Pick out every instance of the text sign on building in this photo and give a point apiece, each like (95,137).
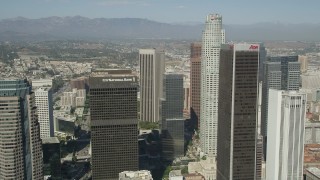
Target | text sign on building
(247,47)
(118,80)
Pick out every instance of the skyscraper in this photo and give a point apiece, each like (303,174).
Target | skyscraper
(20,143)
(151,78)
(114,124)
(236,158)
(290,71)
(272,80)
(172,125)
(173,96)
(43,97)
(211,43)
(282,73)
(51,157)
(285,148)
(195,82)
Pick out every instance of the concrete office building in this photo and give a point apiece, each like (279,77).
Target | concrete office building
(236,158)
(304,63)
(114,124)
(44,105)
(80,83)
(272,80)
(312,132)
(151,81)
(172,125)
(186,96)
(195,82)
(282,73)
(75,98)
(41,83)
(212,38)
(20,143)
(285,150)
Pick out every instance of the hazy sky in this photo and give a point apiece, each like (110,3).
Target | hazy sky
(233,11)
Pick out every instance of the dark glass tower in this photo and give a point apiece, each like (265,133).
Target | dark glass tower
(172,117)
(20,143)
(114,131)
(237,123)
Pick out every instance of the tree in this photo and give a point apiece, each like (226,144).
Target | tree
(73,109)
(166,172)
(57,83)
(148,125)
(184,170)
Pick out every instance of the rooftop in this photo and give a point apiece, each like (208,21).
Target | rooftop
(315,171)
(135,175)
(50,140)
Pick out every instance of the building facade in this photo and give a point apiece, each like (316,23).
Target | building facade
(20,143)
(135,175)
(172,126)
(212,38)
(44,105)
(151,80)
(114,124)
(195,82)
(172,96)
(236,158)
(51,157)
(285,150)
(282,73)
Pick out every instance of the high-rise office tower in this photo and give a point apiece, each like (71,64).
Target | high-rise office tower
(45,111)
(282,73)
(51,157)
(236,157)
(114,123)
(172,117)
(290,71)
(173,96)
(151,78)
(303,63)
(20,143)
(272,80)
(211,44)
(195,82)
(262,60)
(285,148)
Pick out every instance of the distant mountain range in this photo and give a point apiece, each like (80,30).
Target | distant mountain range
(77,27)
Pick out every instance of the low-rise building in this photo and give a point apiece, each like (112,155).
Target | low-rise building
(312,132)
(135,175)
(194,176)
(312,173)
(175,175)
(206,167)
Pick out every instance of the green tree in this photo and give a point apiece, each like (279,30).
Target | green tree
(184,170)
(166,172)
(57,83)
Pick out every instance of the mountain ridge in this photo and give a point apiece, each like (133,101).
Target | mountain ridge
(78,27)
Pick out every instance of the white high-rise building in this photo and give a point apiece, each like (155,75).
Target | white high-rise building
(286,121)
(43,96)
(212,38)
(151,83)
